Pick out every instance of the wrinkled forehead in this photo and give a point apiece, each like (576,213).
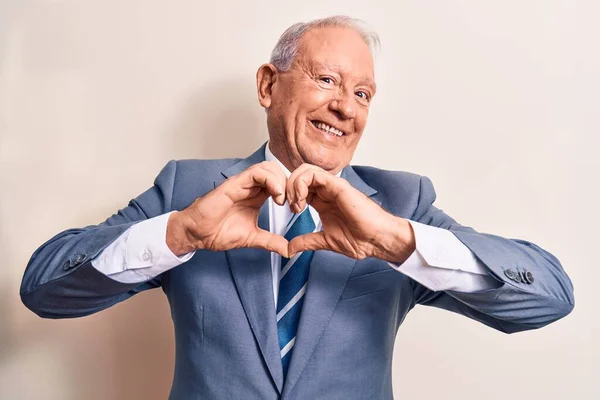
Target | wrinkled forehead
(340,48)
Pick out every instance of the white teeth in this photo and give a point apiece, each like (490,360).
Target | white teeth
(328,129)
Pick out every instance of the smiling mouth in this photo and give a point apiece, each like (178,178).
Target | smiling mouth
(322,126)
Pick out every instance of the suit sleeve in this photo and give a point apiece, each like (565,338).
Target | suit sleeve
(60,280)
(533,289)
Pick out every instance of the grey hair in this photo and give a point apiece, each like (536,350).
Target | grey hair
(288,44)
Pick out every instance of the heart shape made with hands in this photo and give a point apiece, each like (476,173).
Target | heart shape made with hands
(353,224)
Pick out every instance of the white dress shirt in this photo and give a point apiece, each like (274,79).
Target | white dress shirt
(440,261)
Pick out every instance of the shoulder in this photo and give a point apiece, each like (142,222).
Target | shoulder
(190,178)
(384,180)
(399,191)
(204,166)
(195,169)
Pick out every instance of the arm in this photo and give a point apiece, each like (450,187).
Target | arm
(60,281)
(532,288)
(516,304)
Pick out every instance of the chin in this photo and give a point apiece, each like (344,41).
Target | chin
(321,160)
(322,154)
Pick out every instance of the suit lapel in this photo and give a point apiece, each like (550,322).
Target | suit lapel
(327,279)
(251,271)
(252,275)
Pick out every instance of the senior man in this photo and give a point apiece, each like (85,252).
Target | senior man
(289,272)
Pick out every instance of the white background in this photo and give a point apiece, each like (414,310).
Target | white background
(496,101)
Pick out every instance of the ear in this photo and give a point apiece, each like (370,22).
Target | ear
(265,79)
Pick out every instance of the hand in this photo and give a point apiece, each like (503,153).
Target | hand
(226,217)
(353,224)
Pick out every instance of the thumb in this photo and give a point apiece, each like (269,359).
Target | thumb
(271,242)
(310,241)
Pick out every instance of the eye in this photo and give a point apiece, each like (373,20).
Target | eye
(327,79)
(363,95)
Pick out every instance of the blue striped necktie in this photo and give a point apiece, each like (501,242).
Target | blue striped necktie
(293,277)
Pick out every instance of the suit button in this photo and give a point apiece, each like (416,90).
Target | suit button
(68,264)
(510,274)
(529,277)
(80,258)
(518,277)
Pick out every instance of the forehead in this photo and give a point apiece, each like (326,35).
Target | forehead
(335,47)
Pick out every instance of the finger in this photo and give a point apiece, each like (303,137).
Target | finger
(289,187)
(271,242)
(310,241)
(310,181)
(301,185)
(279,175)
(310,198)
(313,180)
(262,177)
(253,177)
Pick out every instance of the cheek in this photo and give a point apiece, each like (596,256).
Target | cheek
(312,100)
(320,97)
(361,121)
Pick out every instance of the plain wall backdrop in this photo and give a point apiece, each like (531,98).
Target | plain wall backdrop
(497,102)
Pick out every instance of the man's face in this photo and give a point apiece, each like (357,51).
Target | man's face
(318,108)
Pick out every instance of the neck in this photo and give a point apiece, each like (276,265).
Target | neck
(281,153)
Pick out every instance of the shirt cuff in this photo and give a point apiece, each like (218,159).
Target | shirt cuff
(442,262)
(140,251)
(440,248)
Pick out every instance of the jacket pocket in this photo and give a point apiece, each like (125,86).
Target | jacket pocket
(370,283)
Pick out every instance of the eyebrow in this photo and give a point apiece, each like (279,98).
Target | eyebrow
(337,68)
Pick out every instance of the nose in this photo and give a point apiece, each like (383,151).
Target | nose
(343,105)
